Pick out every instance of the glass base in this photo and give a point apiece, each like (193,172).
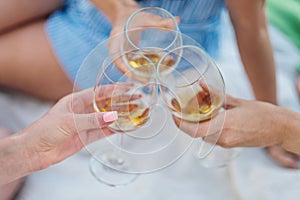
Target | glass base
(218,157)
(109,176)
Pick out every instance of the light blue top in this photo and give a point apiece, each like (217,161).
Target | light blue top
(78,28)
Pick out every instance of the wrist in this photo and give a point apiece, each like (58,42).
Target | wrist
(14,160)
(31,153)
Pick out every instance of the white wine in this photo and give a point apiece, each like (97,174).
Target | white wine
(142,65)
(131,114)
(196,107)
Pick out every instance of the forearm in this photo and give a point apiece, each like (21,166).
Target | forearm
(257,57)
(14,160)
(113,8)
(251,30)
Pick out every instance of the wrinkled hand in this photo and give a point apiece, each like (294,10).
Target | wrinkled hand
(67,127)
(243,124)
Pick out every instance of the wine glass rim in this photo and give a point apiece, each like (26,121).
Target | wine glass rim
(202,52)
(126,28)
(118,55)
(102,72)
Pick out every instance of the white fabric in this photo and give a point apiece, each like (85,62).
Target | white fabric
(251,176)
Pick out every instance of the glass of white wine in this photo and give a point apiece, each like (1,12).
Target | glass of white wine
(195,91)
(133,100)
(150,32)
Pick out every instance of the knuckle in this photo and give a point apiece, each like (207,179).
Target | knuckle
(225,142)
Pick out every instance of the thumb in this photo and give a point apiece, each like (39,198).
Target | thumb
(84,122)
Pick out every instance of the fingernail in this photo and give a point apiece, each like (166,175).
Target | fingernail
(110,116)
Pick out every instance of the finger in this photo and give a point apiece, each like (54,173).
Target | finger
(115,100)
(81,102)
(283,157)
(105,91)
(90,121)
(122,66)
(85,97)
(155,21)
(212,128)
(192,129)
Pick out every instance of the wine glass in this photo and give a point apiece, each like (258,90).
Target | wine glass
(195,91)
(133,100)
(150,32)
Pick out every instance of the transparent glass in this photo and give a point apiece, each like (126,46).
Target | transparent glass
(152,146)
(133,100)
(194,90)
(151,32)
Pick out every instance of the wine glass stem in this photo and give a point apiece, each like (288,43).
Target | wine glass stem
(119,160)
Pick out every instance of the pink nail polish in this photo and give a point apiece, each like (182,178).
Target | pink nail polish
(110,116)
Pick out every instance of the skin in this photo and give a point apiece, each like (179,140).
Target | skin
(35,59)
(22,29)
(250,26)
(63,131)
(8,191)
(249,124)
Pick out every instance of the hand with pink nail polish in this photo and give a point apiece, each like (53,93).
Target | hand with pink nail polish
(60,133)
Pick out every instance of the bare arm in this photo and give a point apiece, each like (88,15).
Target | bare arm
(250,25)
(14,160)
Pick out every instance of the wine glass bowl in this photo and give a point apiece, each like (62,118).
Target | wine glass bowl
(152,32)
(133,101)
(131,98)
(194,89)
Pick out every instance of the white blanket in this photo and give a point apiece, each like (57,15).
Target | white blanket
(251,176)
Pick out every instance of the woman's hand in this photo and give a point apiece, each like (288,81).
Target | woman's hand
(247,124)
(66,128)
(117,40)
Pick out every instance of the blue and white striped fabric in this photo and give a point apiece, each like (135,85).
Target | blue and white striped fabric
(199,19)
(78,28)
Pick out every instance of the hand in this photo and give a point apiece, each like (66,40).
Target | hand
(66,128)
(244,123)
(118,42)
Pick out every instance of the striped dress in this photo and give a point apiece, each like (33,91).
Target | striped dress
(76,29)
